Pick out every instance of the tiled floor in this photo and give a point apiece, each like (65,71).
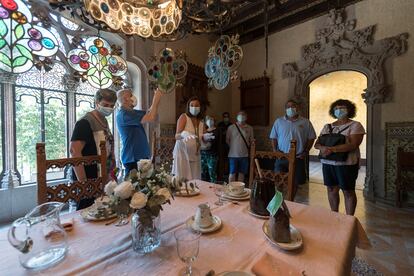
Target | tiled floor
(390,230)
(315,175)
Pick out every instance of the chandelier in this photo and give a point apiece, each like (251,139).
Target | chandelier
(145,18)
(159,20)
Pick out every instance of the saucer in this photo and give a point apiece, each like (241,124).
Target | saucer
(256,215)
(243,196)
(295,236)
(191,192)
(87,214)
(214,227)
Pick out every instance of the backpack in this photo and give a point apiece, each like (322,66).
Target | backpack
(333,139)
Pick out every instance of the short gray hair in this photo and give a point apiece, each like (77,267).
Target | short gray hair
(105,94)
(120,94)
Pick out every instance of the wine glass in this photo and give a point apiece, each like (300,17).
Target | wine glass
(220,190)
(188,242)
(122,216)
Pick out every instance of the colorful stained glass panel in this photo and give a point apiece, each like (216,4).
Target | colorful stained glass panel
(20,40)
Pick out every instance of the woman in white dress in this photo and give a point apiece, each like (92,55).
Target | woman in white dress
(189,136)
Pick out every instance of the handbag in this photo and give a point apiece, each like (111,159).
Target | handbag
(333,139)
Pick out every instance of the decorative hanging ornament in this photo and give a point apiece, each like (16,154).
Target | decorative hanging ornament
(97,62)
(22,42)
(167,70)
(223,60)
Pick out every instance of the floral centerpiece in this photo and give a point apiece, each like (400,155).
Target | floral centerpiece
(143,192)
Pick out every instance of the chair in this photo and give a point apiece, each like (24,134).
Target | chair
(405,174)
(162,149)
(75,190)
(283,181)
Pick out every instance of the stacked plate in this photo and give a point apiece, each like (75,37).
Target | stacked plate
(245,195)
(213,227)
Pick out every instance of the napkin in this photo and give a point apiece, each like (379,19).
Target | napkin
(269,265)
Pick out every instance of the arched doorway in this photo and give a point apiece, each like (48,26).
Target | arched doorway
(323,91)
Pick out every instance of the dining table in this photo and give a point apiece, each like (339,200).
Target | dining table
(95,248)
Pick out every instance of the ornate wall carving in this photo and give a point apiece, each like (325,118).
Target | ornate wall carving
(339,46)
(396,135)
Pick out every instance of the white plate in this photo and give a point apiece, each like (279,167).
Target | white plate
(183,193)
(256,215)
(234,273)
(244,196)
(85,215)
(214,227)
(295,236)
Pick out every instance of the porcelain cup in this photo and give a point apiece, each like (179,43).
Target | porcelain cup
(203,217)
(236,188)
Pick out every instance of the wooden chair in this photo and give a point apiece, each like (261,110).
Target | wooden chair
(405,174)
(162,149)
(75,190)
(283,181)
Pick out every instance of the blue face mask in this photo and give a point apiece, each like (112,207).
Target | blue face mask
(340,113)
(291,112)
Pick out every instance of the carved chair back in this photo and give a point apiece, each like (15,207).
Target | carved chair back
(75,190)
(405,174)
(162,149)
(284,181)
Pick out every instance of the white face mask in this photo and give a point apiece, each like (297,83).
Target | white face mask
(241,118)
(134,101)
(291,112)
(194,110)
(106,111)
(210,123)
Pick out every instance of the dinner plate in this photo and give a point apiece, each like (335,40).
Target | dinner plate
(295,236)
(244,196)
(214,227)
(234,273)
(183,193)
(256,215)
(85,215)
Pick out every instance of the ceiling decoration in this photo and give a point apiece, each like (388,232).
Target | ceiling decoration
(167,70)
(97,62)
(223,60)
(145,18)
(22,44)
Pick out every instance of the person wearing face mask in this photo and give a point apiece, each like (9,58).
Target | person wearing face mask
(342,174)
(189,138)
(87,134)
(292,126)
(129,122)
(209,152)
(223,147)
(239,136)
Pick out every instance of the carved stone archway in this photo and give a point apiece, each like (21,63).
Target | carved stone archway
(339,46)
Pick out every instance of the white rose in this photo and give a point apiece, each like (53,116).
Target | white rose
(124,190)
(109,187)
(145,167)
(138,201)
(164,192)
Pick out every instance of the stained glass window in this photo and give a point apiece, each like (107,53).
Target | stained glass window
(96,62)
(20,39)
(1,129)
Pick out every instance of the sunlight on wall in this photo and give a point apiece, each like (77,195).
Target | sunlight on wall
(328,88)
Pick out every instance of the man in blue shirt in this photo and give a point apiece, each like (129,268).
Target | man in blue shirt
(129,121)
(292,126)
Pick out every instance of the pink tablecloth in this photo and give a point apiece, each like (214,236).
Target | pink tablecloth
(95,249)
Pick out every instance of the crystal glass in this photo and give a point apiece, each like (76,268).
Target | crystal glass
(123,212)
(188,242)
(220,190)
(146,232)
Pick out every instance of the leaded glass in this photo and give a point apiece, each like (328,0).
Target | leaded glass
(51,80)
(59,40)
(20,39)
(96,62)
(69,24)
(1,129)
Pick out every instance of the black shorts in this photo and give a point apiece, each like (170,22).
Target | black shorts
(344,176)
(282,165)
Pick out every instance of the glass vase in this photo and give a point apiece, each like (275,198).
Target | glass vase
(146,231)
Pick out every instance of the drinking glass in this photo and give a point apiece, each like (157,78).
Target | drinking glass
(220,190)
(187,248)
